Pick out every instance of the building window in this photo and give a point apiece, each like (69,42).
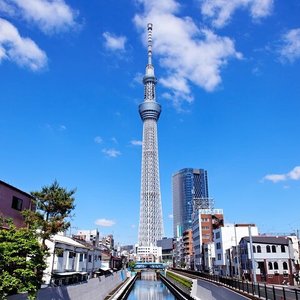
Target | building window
(275,265)
(218,235)
(285,265)
(219,256)
(71,254)
(17,203)
(274,249)
(282,248)
(81,257)
(258,249)
(270,265)
(218,245)
(254,249)
(268,249)
(90,258)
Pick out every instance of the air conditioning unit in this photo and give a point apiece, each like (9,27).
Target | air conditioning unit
(276,272)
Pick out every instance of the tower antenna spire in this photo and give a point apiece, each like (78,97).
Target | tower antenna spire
(151,219)
(149,27)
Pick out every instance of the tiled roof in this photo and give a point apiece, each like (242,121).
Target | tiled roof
(279,240)
(67,240)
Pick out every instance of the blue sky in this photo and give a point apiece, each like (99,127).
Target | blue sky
(228,83)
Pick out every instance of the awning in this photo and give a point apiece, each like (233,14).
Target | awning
(65,273)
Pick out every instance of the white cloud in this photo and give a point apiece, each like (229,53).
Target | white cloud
(292,175)
(113,42)
(114,140)
(295,173)
(62,128)
(188,53)
(111,152)
(221,11)
(50,16)
(105,222)
(136,143)
(22,51)
(275,177)
(171,216)
(98,140)
(138,78)
(290,48)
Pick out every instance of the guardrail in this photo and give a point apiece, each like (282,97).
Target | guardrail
(257,290)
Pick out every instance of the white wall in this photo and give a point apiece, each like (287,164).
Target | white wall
(230,236)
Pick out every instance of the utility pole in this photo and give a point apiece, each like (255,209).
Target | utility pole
(252,255)
(237,254)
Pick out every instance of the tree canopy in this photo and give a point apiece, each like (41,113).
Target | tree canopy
(21,260)
(54,204)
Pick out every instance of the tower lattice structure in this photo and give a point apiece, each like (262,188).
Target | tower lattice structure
(151,220)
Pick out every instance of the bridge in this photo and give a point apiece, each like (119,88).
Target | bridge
(148,265)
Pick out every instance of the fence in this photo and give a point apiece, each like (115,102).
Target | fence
(258,290)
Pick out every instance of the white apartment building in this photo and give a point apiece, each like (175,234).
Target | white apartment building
(148,253)
(224,239)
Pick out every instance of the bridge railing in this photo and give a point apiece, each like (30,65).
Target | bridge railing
(153,266)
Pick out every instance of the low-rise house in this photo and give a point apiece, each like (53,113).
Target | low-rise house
(70,261)
(272,256)
(13,201)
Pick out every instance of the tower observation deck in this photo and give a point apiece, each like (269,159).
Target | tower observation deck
(151,221)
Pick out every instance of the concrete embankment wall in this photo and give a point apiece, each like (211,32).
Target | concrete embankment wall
(93,289)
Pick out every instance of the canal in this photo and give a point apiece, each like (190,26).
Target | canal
(150,288)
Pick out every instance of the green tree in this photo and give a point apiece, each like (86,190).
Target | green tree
(131,265)
(54,204)
(21,260)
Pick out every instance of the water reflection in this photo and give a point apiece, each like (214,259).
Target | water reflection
(149,288)
(148,275)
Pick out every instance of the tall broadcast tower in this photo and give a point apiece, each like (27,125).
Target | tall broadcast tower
(151,221)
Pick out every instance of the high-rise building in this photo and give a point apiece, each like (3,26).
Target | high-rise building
(189,185)
(151,221)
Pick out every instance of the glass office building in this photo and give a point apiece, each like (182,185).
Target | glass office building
(188,184)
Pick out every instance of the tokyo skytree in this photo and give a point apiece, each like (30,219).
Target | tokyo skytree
(151,221)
